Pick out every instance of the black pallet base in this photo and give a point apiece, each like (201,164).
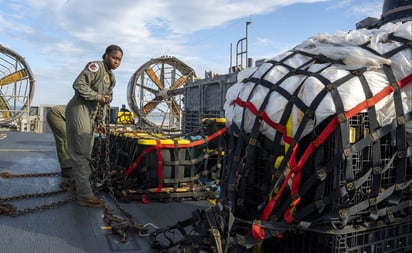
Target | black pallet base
(375,237)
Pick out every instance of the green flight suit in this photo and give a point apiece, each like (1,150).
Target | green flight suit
(57,121)
(95,81)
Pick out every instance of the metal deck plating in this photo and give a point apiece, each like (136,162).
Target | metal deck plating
(67,228)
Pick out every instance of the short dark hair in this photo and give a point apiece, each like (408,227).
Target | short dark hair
(112,48)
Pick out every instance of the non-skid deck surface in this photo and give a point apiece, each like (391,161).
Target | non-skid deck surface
(68,228)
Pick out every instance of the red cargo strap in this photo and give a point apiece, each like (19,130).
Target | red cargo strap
(136,162)
(271,204)
(144,199)
(296,168)
(158,148)
(280,128)
(209,138)
(257,232)
(349,114)
(327,131)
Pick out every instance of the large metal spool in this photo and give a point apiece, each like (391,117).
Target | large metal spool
(155,92)
(16,86)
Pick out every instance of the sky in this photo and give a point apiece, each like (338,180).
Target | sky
(58,37)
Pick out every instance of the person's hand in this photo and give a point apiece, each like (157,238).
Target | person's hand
(104,100)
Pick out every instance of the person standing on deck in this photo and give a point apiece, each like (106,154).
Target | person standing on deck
(85,112)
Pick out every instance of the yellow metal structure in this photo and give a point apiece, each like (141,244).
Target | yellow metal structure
(16,86)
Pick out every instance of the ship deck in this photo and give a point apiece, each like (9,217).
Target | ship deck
(69,227)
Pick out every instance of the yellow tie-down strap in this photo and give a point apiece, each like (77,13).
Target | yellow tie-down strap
(147,139)
(137,134)
(217,120)
(153,141)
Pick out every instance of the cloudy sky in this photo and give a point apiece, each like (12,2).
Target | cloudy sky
(58,37)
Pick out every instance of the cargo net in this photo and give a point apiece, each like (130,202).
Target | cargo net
(151,166)
(319,140)
(320,135)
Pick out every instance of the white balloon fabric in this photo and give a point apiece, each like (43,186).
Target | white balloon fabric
(345,52)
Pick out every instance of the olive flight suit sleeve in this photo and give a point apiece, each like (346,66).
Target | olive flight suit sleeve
(83,83)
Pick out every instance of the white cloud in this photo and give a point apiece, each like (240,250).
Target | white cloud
(67,34)
(7,25)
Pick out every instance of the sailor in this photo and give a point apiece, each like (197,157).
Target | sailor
(57,121)
(124,109)
(93,90)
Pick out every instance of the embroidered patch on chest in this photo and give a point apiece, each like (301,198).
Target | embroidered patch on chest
(106,78)
(93,67)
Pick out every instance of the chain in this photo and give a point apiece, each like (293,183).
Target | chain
(134,225)
(47,174)
(97,165)
(11,210)
(119,224)
(33,195)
